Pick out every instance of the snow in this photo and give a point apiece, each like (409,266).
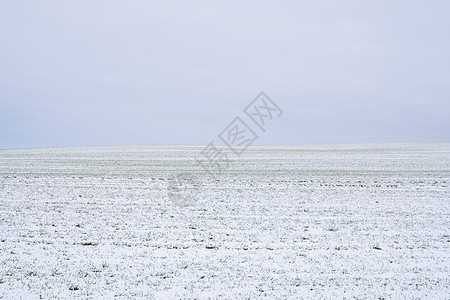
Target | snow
(324,221)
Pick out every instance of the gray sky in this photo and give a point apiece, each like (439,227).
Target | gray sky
(177,72)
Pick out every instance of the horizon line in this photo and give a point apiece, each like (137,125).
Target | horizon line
(204,145)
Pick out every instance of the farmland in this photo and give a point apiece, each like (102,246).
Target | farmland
(320,221)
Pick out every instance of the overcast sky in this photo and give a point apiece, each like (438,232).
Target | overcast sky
(177,72)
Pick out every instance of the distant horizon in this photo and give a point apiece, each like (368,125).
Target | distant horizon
(224,146)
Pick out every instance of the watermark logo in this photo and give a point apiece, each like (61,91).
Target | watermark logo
(184,188)
(213,160)
(262,110)
(238,136)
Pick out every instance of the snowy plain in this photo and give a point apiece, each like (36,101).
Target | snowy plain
(365,221)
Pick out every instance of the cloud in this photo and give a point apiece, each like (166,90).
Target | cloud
(106,72)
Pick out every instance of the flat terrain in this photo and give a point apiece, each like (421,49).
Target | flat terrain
(341,221)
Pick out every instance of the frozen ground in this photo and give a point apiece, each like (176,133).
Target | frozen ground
(343,221)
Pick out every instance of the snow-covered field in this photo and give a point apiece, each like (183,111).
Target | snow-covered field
(341,221)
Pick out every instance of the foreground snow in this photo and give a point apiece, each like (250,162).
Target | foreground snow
(362,221)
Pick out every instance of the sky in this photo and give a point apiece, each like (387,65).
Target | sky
(86,73)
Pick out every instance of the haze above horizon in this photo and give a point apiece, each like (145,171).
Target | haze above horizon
(151,73)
